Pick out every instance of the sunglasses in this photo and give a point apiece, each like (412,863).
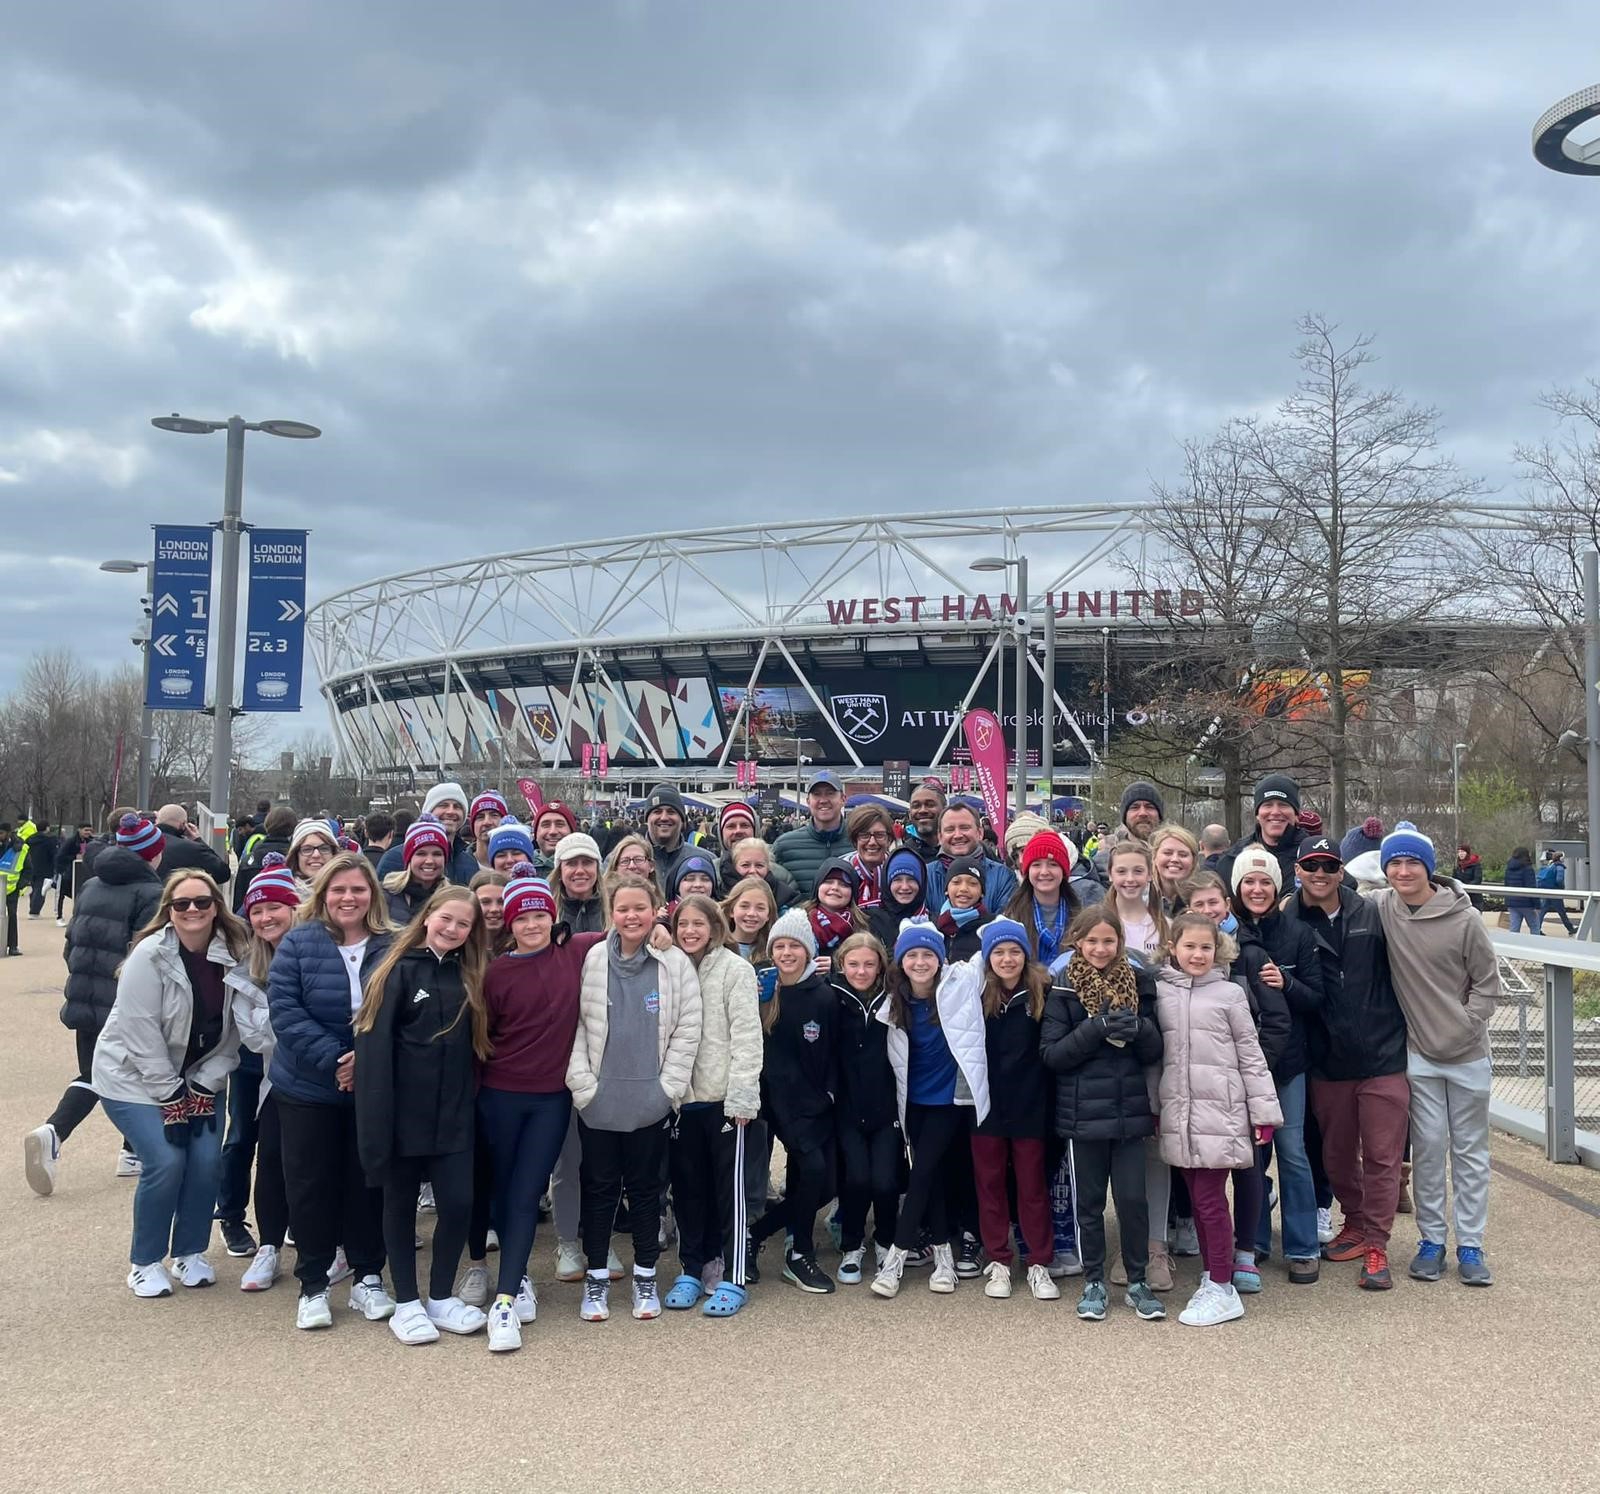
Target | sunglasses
(1320,864)
(199,904)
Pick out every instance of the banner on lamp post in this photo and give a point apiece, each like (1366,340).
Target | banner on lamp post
(180,619)
(275,620)
(986,742)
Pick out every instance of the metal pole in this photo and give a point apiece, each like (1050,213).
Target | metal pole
(1047,745)
(1022,688)
(1455,787)
(1590,927)
(147,717)
(227,624)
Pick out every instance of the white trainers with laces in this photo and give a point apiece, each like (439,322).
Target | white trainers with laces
(569,1261)
(646,1299)
(369,1298)
(150,1281)
(473,1287)
(128,1165)
(262,1271)
(887,1282)
(1325,1229)
(595,1307)
(999,1279)
(1212,1304)
(412,1325)
(944,1278)
(505,1333)
(340,1269)
(526,1302)
(455,1316)
(1042,1285)
(313,1312)
(194,1270)
(41,1150)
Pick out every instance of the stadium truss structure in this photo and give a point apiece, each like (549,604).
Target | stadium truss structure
(853,642)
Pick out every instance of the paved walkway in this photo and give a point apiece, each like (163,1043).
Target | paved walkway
(1435,1387)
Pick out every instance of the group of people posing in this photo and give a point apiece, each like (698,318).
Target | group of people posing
(964,1050)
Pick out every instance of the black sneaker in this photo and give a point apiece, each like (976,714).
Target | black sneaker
(969,1260)
(921,1257)
(237,1237)
(804,1272)
(752,1260)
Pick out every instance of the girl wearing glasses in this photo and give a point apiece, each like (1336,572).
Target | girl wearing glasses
(166,1049)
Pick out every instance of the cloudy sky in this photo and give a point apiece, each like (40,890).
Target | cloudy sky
(557,270)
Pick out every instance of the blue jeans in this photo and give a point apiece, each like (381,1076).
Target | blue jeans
(1297,1196)
(239,1150)
(177,1186)
(1531,918)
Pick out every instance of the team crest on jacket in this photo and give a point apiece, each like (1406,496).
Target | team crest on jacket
(652,1003)
(864,718)
(811,1032)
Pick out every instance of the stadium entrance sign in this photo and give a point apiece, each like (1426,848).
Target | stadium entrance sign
(1081,606)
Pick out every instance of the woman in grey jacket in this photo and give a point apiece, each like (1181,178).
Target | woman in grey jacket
(163,1054)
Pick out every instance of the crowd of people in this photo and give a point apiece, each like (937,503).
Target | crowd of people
(962,1040)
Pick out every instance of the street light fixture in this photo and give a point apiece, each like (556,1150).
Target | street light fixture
(1455,783)
(228,609)
(147,720)
(1020,564)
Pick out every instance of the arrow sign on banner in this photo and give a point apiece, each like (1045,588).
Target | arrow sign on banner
(275,629)
(167,603)
(175,663)
(288,612)
(164,645)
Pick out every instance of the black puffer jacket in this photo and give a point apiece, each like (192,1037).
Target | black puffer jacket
(1359,1031)
(409,901)
(120,899)
(251,864)
(866,1099)
(1101,1093)
(1288,945)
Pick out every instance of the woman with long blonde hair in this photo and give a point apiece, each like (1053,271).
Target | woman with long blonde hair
(421,1026)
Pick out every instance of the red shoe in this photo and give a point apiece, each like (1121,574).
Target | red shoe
(1375,1271)
(1347,1245)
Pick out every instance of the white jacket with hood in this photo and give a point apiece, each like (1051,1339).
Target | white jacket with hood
(727,1065)
(678,1022)
(959,1002)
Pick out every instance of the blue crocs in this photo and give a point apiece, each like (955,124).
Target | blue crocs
(684,1294)
(725,1301)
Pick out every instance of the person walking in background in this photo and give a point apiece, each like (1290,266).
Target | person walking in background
(68,855)
(1469,872)
(1553,876)
(1523,912)
(17,872)
(46,846)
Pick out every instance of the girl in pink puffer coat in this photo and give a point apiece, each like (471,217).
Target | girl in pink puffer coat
(1218,1100)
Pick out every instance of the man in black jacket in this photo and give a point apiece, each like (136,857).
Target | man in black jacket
(42,852)
(1277,827)
(1357,1041)
(185,848)
(67,854)
(276,828)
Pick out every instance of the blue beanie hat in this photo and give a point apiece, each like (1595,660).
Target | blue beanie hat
(510,835)
(905,863)
(918,933)
(1406,840)
(1002,931)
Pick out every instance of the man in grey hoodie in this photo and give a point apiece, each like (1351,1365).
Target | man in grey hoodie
(1447,981)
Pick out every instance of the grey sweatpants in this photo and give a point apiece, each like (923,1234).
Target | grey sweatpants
(1450,1125)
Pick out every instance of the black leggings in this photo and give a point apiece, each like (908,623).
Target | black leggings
(870,1177)
(484,1215)
(451,1176)
(330,1203)
(272,1198)
(1121,1163)
(707,1163)
(79,1098)
(610,1160)
(805,1190)
(937,1134)
(523,1134)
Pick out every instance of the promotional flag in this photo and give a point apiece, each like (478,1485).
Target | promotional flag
(532,793)
(987,743)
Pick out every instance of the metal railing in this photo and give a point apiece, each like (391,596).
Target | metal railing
(1544,1044)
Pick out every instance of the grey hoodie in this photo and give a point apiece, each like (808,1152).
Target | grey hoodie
(1445,973)
(630,1093)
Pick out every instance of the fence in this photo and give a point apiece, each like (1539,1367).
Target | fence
(1544,1044)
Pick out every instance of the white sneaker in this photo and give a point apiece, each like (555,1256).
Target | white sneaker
(425,1204)
(849,1272)
(526,1302)
(194,1270)
(944,1278)
(1065,1263)
(879,1254)
(1325,1229)
(473,1287)
(646,1299)
(1211,1305)
(1042,1286)
(128,1165)
(150,1281)
(614,1265)
(569,1261)
(505,1333)
(369,1298)
(887,1282)
(455,1316)
(999,1282)
(262,1271)
(595,1307)
(41,1150)
(313,1312)
(491,1242)
(340,1269)
(412,1325)
(61,923)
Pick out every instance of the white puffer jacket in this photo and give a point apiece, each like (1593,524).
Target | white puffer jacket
(959,1001)
(678,1022)
(727,1066)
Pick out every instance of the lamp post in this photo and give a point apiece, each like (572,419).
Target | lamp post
(147,717)
(1020,564)
(1455,784)
(228,610)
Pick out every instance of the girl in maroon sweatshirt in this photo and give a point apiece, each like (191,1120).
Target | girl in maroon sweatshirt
(524,1104)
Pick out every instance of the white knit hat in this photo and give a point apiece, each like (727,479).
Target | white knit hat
(1257,859)
(576,844)
(440,792)
(794,925)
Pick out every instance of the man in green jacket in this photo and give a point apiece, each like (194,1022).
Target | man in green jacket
(14,863)
(801,851)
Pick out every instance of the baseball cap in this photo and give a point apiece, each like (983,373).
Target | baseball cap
(826,778)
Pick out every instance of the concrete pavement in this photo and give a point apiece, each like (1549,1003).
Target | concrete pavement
(1318,1388)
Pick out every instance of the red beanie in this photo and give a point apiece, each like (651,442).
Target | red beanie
(1047,845)
(555,806)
